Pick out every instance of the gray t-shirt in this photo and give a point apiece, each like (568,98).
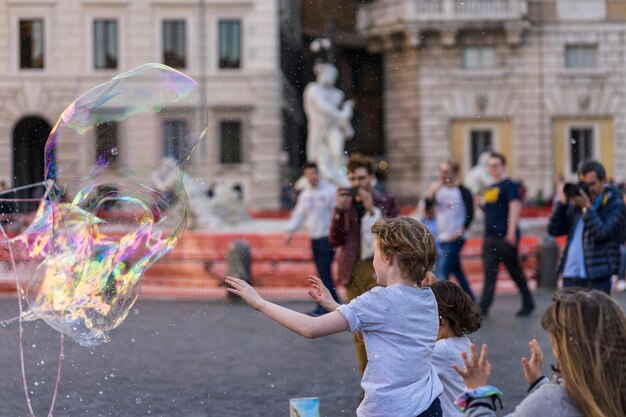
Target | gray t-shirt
(400,326)
(447,352)
(546,400)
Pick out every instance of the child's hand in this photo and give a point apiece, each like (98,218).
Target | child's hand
(532,367)
(245,291)
(429,279)
(321,295)
(477,371)
(359,336)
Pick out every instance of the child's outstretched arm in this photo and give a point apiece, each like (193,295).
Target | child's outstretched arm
(306,326)
(321,295)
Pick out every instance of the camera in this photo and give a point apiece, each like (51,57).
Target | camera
(354,191)
(572,190)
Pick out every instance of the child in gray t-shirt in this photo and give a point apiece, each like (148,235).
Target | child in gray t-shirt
(398,321)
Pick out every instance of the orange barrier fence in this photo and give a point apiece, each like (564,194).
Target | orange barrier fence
(199,261)
(197,266)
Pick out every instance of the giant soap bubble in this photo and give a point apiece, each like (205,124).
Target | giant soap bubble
(115,158)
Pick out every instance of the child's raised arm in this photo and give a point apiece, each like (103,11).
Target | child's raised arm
(306,326)
(477,369)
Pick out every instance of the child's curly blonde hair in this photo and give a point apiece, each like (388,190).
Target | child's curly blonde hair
(410,242)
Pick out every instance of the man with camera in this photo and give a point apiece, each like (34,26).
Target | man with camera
(592,215)
(358,208)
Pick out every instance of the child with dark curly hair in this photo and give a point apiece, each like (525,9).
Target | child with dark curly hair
(458,317)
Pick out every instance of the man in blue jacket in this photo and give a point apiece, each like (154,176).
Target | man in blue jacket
(594,219)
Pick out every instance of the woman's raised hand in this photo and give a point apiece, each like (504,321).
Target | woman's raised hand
(532,366)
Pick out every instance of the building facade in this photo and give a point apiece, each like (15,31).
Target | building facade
(51,51)
(540,81)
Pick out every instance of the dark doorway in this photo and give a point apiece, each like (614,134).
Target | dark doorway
(29,140)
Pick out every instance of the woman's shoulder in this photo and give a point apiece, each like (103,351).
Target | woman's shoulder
(549,400)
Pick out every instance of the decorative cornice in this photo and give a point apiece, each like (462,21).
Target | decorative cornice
(106,3)
(229,3)
(30,3)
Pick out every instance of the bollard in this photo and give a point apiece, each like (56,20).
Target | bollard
(239,263)
(547,258)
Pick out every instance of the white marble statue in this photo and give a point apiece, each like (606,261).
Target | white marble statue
(478,178)
(165,178)
(218,208)
(329,124)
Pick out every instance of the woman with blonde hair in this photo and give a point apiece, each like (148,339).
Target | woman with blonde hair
(588,335)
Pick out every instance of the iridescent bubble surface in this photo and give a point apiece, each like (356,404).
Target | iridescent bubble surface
(117,205)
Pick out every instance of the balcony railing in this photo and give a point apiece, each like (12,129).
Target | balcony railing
(381,13)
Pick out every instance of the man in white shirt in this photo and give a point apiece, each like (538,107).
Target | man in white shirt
(315,207)
(454,211)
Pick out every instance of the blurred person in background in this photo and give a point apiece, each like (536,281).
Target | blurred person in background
(428,218)
(502,208)
(315,207)
(454,212)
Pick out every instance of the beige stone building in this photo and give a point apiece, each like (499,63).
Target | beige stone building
(542,81)
(51,51)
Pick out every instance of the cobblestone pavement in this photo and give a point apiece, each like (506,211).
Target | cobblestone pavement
(216,359)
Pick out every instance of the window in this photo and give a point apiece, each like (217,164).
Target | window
(105,51)
(230,140)
(174,46)
(366,74)
(31,44)
(174,138)
(581,56)
(230,44)
(480,141)
(580,147)
(107,143)
(480,57)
